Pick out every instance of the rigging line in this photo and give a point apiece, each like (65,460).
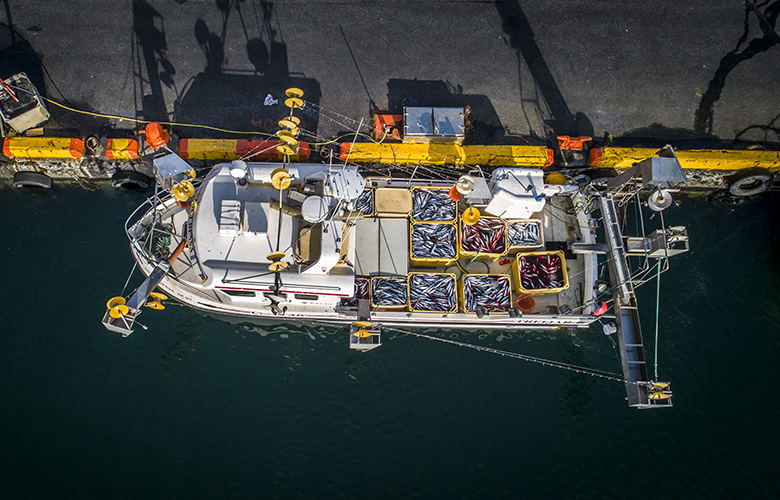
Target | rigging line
(128,278)
(544,362)
(657,308)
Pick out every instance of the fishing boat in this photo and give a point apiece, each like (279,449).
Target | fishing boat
(326,243)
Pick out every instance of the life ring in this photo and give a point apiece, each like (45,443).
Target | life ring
(750,182)
(32,179)
(130,179)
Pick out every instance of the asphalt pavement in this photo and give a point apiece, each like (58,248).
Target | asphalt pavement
(526,69)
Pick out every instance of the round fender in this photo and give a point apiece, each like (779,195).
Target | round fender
(751,181)
(32,179)
(131,180)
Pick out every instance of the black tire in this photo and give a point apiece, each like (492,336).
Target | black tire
(131,180)
(750,182)
(32,179)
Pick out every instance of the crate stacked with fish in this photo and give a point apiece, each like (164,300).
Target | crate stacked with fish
(483,240)
(433,233)
(524,235)
(485,293)
(361,292)
(365,203)
(432,292)
(540,273)
(390,293)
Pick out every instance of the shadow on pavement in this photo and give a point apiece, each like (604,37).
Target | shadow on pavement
(767,20)
(521,38)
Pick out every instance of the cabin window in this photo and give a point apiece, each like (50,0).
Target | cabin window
(239,293)
(306,296)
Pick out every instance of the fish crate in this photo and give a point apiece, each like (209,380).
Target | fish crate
(537,273)
(433,204)
(433,244)
(365,203)
(484,240)
(389,293)
(392,202)
(432,292)
(492,292)
(523,235)
(361,292)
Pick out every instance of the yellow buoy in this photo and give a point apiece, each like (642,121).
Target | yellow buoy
(118,311)
(294,102)
(293,92)
(659,395)
(278,266)
(362,324)
(155,304)
(280,178)
(187,188)
(273,256)
(470,216)
(362,333)
(660,385)
(555,178)
(191,173)
(115,302)
(285,149)
(183,191)
(287,138)
(158,296)
(288,124)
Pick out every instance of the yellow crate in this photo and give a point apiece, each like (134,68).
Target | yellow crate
(478,255)
(454,291)
(381,307)
(443,190)
(462,291)
(431,261)
(516,278)
(523,248)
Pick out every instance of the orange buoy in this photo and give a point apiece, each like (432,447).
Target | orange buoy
(156,135)
(454,194)
(526,303)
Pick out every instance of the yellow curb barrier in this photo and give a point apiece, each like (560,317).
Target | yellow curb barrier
(43,147)
(701,159)
(447,154)
(122,149)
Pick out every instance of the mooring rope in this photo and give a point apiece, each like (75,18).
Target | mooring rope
(544,362)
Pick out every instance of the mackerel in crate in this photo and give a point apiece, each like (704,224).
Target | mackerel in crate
(432,292)
(365,203)
(491,292)
(361,292)
(433,244)
(540,272)
(523,235)
(483,240)
(433,204)
(389,293)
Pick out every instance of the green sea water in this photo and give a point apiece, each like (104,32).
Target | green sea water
(198,408)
